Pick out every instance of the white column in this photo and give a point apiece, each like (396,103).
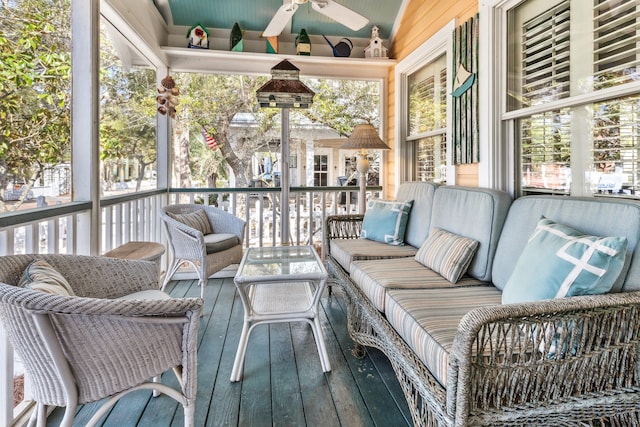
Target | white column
(163,141)
(85,136)
(284,177)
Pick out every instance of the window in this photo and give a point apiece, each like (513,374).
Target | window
(320,170)
(427,98)
(423,100)
(573,96)
(428,120)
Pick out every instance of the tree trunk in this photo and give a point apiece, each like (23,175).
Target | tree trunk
(239,168)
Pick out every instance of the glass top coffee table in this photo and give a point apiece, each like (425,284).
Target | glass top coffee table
(280,284)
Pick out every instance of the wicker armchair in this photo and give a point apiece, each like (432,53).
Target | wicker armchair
(192,246)
(92,346)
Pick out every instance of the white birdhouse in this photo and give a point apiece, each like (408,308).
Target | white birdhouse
(375,48)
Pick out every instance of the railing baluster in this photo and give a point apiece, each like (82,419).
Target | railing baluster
(107,223)
(52,237)
(274,219)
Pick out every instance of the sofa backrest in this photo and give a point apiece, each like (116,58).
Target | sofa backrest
(592,216)
(477,213)
(420,216)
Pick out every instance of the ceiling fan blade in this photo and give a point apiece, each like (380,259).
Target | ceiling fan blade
(280,20)
(339,13)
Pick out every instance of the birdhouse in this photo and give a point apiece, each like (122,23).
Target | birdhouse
(375,49)
(303,43)
(285,90)
(272,44)
(198,37)
(235,42)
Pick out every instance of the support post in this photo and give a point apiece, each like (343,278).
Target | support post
(284,177)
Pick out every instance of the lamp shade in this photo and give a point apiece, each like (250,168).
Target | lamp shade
(365,137)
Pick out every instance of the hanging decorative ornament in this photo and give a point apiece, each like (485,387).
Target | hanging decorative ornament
(167,98)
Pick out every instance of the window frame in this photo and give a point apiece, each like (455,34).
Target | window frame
(437,45)
(499,152)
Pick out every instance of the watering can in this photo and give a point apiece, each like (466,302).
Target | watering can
(342,48)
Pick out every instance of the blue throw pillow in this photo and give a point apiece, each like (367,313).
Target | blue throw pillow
(386,221)
(559,261)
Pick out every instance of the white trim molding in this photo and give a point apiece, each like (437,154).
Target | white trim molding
(496,154)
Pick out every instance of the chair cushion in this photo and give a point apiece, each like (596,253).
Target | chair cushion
(345,251)
(149,294)
(375,278)
(386,221)
(197,219)
(41,276)
(560,261)
(218,242)
(428,319)
(447,253)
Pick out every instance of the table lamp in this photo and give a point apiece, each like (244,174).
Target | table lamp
(364,137)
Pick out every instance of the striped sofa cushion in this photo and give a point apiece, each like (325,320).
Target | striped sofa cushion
(428,319)
(344,251)
(447,253)
(375,278)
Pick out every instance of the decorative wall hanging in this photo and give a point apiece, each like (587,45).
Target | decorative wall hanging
(198,37)
(465,93)
(167,97)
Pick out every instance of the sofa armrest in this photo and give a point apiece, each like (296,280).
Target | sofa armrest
(343,226)
(544,354)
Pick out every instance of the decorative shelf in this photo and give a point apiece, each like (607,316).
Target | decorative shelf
(183,59)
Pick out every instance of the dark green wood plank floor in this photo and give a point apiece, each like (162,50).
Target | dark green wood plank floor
(283,383)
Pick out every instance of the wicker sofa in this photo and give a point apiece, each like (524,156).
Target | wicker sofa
(462,357)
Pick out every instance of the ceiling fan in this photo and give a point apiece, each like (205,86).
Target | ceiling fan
(329,8)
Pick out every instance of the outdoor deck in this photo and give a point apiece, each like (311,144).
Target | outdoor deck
(283,382)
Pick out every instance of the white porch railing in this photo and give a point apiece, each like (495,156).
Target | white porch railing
(260,208)
(62,229)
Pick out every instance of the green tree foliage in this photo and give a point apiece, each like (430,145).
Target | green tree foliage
(127,113)
(213,101)
(34,87)
(342,104)
(35,105)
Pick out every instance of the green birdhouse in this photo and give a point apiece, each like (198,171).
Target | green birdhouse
(236,44)
(303,43)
